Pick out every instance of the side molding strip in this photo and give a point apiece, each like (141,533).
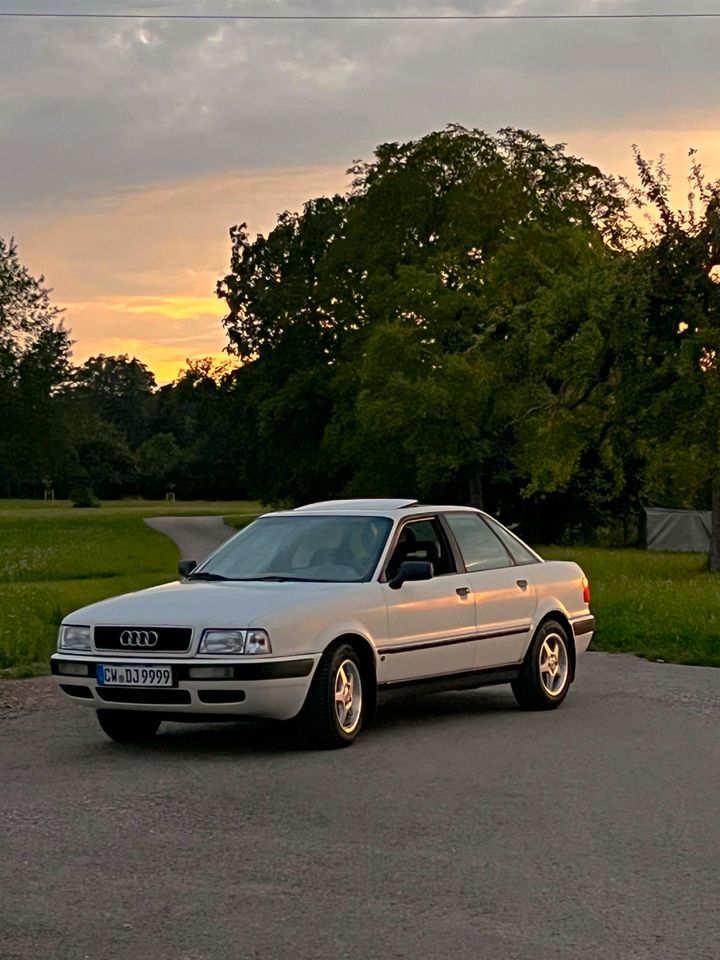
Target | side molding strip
(428,644)
(468,679)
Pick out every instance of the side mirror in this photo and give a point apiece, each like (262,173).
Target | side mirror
(411,570)
(186,567)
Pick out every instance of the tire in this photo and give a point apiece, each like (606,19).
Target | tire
(546,672)
(128,726)
(334,712)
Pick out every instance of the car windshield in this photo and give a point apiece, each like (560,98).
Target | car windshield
(332,549)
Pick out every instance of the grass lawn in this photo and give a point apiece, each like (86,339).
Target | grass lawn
(54,558)
(13,509)
(662,606)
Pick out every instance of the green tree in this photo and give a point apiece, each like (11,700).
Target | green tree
(548,334)
(417,421)
(677,271)
(25,308)
(158,459)
(34,364)
(103,463)
(273,291)
(201,411)
(626,399)
(118,390)
(412,245)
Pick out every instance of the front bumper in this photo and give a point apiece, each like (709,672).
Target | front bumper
(270,688)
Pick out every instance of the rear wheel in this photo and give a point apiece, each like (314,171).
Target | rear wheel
(334,711)
(128,726)
(544,679)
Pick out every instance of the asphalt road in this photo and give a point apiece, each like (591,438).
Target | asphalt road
(196,537)
(457,827)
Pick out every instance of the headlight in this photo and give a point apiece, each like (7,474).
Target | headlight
(234,642)
(74,638)
(223,641)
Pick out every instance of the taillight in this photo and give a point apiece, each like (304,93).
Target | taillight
(586,590)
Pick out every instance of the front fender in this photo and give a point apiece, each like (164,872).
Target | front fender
(343,628)
(311,626)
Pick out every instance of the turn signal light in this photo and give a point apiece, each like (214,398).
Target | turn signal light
(586,590)
(72,669)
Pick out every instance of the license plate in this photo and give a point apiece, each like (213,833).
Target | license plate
(137,675)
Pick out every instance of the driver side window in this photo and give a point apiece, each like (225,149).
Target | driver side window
(422,540)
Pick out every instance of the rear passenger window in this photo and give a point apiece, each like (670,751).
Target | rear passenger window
(479,546)
(519,551)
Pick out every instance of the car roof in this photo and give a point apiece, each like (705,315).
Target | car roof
(344,505)
(374,507)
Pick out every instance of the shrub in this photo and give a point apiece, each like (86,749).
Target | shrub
(84,497)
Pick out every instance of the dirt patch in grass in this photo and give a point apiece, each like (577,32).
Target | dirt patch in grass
(20,697)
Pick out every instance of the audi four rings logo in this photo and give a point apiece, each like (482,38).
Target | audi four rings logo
(138,638)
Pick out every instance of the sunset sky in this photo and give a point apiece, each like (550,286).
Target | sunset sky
(128,148)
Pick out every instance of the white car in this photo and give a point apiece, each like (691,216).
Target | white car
(311,613)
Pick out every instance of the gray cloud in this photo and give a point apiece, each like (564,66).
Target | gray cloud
(104,104)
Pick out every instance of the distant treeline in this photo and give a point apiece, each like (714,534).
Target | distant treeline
(480,319)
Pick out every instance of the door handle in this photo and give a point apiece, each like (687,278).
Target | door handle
(463,592)
(522,584)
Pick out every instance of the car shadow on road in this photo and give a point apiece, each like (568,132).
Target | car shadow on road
(438,709)
(217,739)
(406,710)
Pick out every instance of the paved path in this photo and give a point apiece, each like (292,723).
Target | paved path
(195,536)
(459,827)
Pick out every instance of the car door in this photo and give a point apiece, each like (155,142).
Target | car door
(431,623)
(505,595)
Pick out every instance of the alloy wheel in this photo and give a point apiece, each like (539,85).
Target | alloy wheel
(348,696)
(553,664)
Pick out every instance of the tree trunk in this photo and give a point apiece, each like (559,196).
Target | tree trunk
(475,497)
(715,526)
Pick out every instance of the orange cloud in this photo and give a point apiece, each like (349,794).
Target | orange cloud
(611,150)
(163,332)
(172,308)
(136,269)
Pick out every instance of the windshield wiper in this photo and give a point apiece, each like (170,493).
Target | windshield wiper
(274,578)
(277,578)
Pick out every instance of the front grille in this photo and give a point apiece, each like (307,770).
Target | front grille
(143,640)
(128,695)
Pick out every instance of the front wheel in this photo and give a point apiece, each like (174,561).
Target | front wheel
(544,679)
(333,712)
(128,726)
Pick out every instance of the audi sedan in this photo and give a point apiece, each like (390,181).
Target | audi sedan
(310,614)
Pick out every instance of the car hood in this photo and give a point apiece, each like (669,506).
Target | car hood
(196,603)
